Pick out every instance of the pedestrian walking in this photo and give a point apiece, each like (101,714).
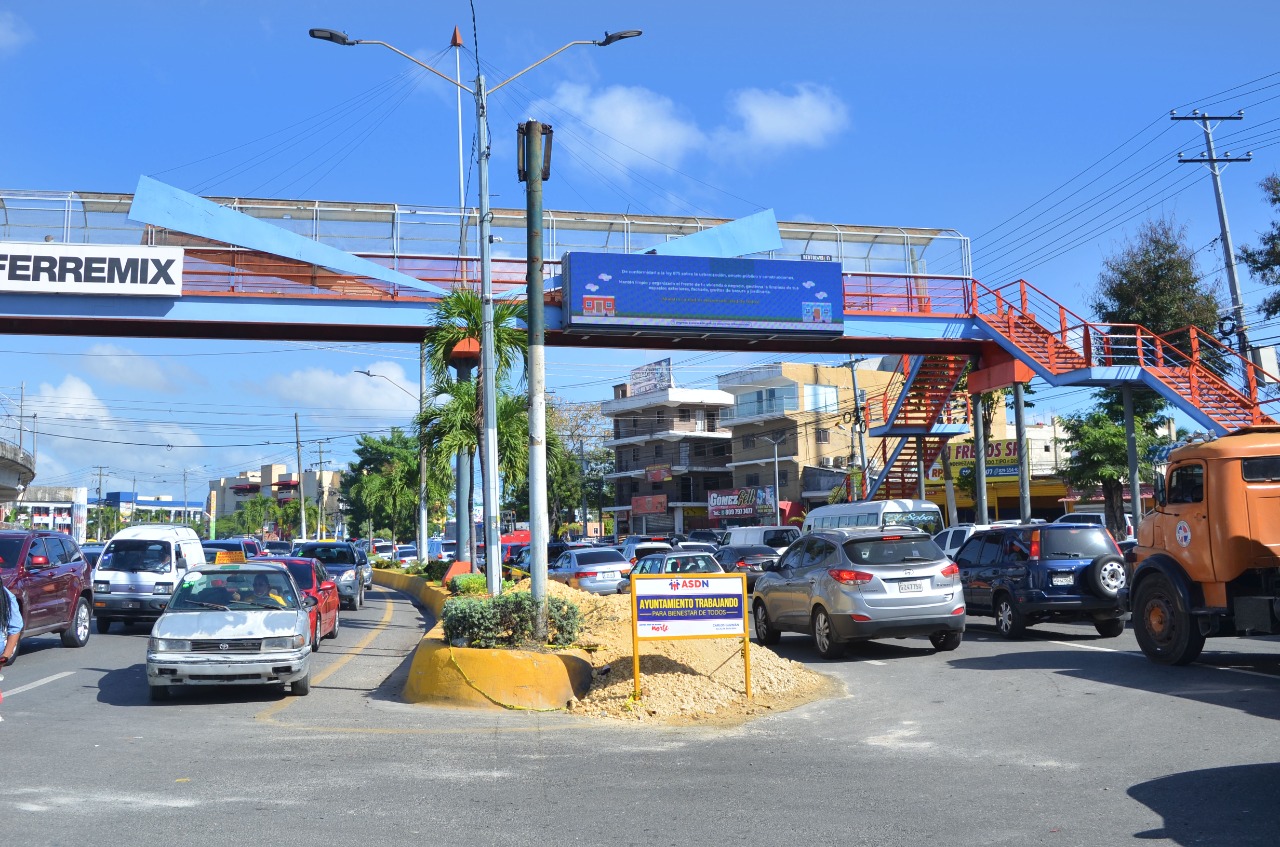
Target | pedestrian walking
(10,627)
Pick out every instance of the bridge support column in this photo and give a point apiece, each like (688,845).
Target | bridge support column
(979,460)
(1131,447)
(1024,455)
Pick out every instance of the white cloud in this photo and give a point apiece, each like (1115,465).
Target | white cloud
(320,387)
(810,117)
(121,366)
(631,125)
(13,33)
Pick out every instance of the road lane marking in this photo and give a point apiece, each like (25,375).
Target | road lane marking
(872,662)
(38,683)
(274,709)
(1090,647)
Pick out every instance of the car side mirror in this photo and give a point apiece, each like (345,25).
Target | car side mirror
(328,585)
(1160,490)
(310,601)
(182,563)
(770,566)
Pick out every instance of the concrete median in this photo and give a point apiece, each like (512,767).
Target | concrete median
(463,676)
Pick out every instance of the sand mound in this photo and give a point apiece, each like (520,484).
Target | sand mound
(680,681)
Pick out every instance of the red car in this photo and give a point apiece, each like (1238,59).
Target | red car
(313,581)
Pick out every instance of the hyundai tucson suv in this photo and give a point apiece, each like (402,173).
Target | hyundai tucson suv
(1024,575)
(856,584)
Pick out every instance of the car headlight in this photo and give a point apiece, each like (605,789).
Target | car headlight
(168,645)
(288,642)
(346,576)
(101,586)
(163,588)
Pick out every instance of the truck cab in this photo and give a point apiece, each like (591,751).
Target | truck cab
(1207,561)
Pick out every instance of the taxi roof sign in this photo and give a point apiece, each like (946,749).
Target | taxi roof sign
(226,557)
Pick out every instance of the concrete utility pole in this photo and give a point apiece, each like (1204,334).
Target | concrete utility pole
(101,469)
(860,424)
(1228,251)
(320,495)
(979,460)
(424,522)
(1131,447)
(533,169)
(302,496)
(775,439)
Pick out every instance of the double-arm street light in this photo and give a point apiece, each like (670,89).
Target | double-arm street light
(423,525)
(488,379)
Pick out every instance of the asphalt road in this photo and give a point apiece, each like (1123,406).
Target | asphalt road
(1062,739)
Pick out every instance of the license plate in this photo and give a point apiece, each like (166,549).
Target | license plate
(128,604)
(609,575)
(913,586)
(1063,579)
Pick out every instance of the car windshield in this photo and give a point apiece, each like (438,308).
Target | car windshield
(303,574)
(224,590)
(599,557)
(892,551)
(91,555)
(692,564)
(9,550)
(135,555)
(930,522)
(1075,543)
(328,555)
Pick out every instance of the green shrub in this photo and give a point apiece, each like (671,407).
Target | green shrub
(469,583)
(470,620)
(507,620)
(564,622)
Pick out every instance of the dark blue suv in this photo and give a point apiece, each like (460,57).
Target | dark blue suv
(1023,575)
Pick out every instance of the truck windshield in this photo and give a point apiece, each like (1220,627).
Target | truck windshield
(135,555)
(1261,469)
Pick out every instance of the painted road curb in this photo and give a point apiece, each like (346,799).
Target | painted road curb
(465,676)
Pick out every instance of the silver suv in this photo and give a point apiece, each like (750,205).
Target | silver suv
(844,585)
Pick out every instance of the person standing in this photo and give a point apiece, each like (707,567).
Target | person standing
(10,625)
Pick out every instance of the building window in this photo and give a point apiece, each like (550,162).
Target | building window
(662,419)
(753,479)
(656,488)
(748,441)
(718,450)
(699,449)
(784,477)
(635,454)
(823,436)
(820,398)
(684,415)
(659,451)
(710,483)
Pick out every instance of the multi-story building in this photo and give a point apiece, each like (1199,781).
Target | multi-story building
(275,481)
(670,449)
(795,422)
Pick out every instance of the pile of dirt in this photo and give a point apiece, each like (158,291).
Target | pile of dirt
(680,681)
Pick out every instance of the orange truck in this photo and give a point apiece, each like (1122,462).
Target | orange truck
(1207,561)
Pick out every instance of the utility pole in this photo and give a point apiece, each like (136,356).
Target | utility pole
(22,406)
(302,488)
(860,424)
(101,469)
(1228,251)
(320,486)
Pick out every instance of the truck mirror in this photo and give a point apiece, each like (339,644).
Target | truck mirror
(1159,490)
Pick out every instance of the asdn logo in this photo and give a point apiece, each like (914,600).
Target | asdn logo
(677,584)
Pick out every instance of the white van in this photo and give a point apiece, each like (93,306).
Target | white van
(777,537)
(1097,519)
(918,513)
(138,570)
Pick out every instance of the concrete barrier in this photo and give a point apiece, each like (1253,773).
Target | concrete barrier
(463,676)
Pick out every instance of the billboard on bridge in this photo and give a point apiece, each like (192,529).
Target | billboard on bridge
(606,292)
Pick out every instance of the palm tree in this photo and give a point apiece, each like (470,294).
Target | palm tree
(393,490)
(460,316)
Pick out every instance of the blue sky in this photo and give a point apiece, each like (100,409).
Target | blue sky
(1040,131)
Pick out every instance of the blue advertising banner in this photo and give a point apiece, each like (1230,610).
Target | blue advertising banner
(627,292)
(689,605)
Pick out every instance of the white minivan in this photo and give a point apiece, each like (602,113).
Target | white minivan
(138,570)
(1097,519)
(777,537)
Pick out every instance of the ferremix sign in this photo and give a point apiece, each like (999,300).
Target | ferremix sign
(689,605)
(112,269)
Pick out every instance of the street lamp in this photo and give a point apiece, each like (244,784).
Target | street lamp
(488,381)
(775,439)
(423,522)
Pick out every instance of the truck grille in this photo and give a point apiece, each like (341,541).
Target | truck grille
(229,645)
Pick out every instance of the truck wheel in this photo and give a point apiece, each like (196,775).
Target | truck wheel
(1106,575)
(1165,629)
(1010,622)
(77,635)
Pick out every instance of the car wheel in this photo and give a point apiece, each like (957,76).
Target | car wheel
(359,601)
(1109,627)
(1010,622)
(824,636)
(765,633)
(159,693)
(1106,575)
(315,634)
(337,622)
(300,687)
(946,641)
(77,635)
(1165,629)
(104,625)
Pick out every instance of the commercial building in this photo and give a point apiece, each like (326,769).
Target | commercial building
(794,424)
(229,494)
(670,449)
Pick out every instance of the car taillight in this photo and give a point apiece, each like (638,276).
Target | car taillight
(951,570)
(850,577)
(742,563)
(584,575)
(1035,544)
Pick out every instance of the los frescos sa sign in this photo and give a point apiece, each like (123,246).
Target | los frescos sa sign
(111,269)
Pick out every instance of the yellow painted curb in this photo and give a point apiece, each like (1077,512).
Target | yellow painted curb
(465,676)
